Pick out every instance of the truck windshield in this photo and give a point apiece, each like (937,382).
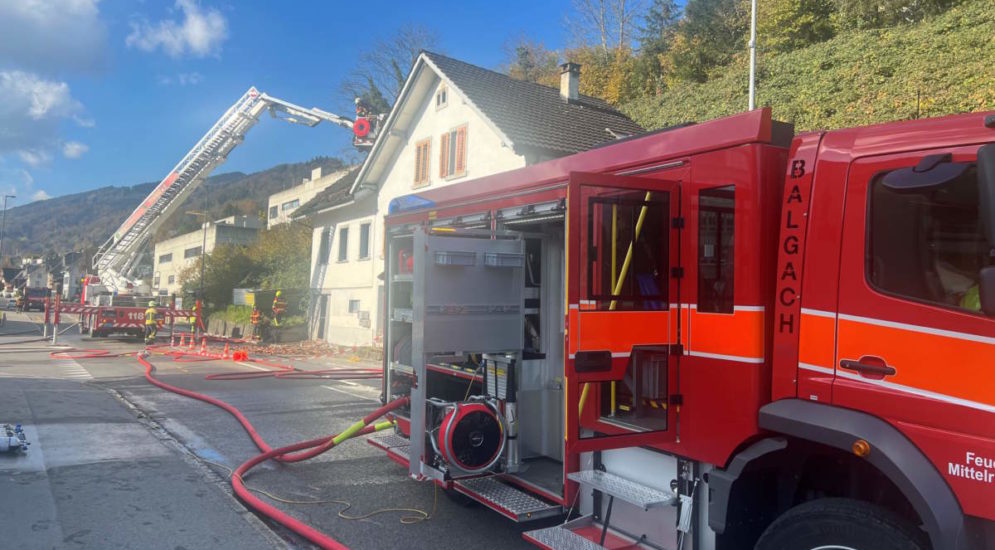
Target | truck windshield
(37,292)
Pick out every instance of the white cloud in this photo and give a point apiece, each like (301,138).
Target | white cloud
(31,113)
(200,33)
(181,79)
(34,157)
(40,195)
(74,149)
(52,35)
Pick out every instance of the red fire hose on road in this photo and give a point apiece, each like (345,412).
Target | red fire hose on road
(290,453)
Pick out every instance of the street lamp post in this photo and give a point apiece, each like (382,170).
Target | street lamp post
(203,247)
(3,223)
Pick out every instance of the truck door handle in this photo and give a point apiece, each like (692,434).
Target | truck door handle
(870,366)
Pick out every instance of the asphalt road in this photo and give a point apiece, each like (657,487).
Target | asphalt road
(115,462)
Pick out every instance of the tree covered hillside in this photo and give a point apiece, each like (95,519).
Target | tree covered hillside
(85,220)
(940,66)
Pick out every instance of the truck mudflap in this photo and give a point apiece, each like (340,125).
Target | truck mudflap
(720,482)
(893,455)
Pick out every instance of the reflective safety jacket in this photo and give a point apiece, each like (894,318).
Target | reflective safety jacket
(150,314)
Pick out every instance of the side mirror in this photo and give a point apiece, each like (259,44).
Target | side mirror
(986,291)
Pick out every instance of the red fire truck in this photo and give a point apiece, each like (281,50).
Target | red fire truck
(720,335)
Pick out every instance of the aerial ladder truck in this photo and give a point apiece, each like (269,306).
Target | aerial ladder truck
(114,295)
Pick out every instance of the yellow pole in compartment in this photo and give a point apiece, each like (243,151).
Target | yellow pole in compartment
(628,254)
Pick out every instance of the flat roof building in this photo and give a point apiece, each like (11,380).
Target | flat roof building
(171,256)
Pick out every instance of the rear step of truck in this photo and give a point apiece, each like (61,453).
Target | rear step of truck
(590,533)
(507,500)
(584,533)
(395,445)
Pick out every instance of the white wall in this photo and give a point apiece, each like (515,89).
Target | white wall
(357,279)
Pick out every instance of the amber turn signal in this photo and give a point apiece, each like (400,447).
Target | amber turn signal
(861,448)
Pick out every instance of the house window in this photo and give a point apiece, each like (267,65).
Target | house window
(452,153)
(325,246)
(171,279)
(422,149)
(290,205)
(364,241)
(353,306)
(274,211)
(343,244)
(155,283)
(165,258)
(441,97)
(192,252)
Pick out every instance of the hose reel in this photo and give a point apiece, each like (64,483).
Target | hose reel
(470,436)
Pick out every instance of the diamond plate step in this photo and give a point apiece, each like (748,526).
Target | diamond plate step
(560,538)
(395,445)
(567,536)
(623,489)
(388,441)
(507,500)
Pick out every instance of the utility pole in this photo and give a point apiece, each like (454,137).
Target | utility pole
(3,223)
(753,54)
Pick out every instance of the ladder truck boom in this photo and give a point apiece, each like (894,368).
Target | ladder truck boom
(116,260)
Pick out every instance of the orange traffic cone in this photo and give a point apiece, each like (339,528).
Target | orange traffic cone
(190,347)
(227,350)
(203,346)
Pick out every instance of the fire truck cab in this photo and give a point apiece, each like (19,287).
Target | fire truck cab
(719,335)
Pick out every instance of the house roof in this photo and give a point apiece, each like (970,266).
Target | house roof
(533,115)
(526,116)
(335,194)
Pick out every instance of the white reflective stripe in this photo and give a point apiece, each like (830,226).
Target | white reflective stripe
(818,313)
(917,391)
(573,306)
(916,328)
(741,359)
(615,354)
(816,368)
(734,308)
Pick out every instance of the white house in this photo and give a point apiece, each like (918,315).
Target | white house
(452,122)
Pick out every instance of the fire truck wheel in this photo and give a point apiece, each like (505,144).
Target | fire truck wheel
(841,524)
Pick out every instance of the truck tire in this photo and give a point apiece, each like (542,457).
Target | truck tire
(841,524)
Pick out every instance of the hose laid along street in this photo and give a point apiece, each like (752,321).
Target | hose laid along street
(115,462)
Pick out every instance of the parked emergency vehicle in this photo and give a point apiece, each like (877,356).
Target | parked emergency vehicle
(720,335)
(33,298)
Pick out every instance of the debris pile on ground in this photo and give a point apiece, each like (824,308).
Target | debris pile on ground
(317,348)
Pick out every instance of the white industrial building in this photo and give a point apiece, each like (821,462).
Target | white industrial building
(452,122)
(172,255)
(281,205)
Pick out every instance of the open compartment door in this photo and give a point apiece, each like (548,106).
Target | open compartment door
(623,319)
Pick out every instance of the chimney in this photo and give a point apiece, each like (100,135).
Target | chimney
(569,81)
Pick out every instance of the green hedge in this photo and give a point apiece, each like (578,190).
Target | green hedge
(857,78)
(234,314)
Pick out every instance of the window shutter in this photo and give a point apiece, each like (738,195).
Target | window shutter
(424,162)
(418,163)
(444,155)
(461,150)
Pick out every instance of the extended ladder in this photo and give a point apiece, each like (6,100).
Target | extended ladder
(117,258)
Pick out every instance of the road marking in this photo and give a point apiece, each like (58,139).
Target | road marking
(349,393)
(348,383)
(251,366)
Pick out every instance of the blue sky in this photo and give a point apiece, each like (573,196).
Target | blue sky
(96,93)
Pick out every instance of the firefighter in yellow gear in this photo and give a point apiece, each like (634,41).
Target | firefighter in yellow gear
(278,308)
(151,323)
(193,325)
(255,322)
